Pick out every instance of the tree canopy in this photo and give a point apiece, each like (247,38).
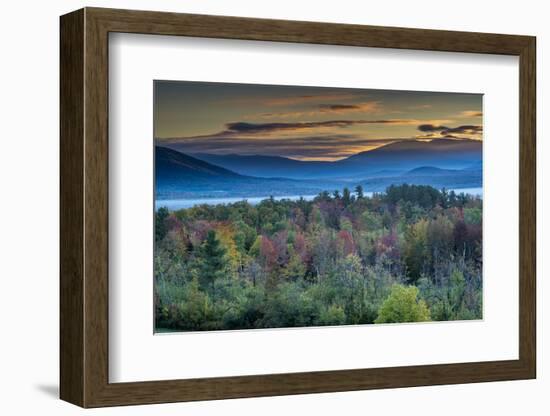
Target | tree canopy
(412,253)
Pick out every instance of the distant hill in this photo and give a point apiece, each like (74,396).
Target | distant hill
(397,157)
(171,164)
(453,165)
(470,177)
(430,170)
(266,166)
(409,154)
(421,147)
(178,175)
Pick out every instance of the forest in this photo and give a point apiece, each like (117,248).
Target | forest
(412,253)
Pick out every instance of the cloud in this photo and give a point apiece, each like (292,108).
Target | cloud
(428,136)
(338,107)
(313,147)
(468,131)
(420,107)
(323,109)
(471,113)
(295,100)
(243,127)
(264,130)
(467,128)
(302,99)
(326,140)
(366,107)
(279,115)
(281,130)
(430,127)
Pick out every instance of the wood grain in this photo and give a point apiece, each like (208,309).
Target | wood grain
(71,343)
(84,207)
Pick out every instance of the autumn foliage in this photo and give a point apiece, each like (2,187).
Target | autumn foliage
(412,253)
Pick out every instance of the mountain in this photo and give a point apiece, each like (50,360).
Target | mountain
(449,164)
(408,154)
(397,157)
(178,175)
(470,177)
(266,166)
(173,164)
(430,170)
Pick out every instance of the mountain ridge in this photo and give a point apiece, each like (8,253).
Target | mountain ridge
(178,175)
(397,156)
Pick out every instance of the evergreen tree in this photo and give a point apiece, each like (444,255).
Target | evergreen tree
(161,227)
(284,263)
(346,197)
(359,192)
(211,261)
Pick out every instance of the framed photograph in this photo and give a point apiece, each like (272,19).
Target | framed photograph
(260,207)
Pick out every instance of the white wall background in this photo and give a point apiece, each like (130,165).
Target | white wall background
(29,224)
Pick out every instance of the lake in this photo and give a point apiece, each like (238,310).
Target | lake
(174,204)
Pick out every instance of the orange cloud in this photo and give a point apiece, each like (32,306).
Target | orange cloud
(420,107)
(366,107)
(436,131)
(305,99)
(471,113)
(369,107)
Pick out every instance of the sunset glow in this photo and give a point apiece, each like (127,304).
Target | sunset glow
(306,123)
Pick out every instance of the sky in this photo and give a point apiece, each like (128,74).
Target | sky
(305,123)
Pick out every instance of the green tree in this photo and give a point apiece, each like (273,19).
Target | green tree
(316,262)
(346,197)
(472,216)
(244,236)
(457,289)
(440,239)
(333,315)
(359,192)
(416,250)
(295,268)
(324,196)
(402,305)
(370,220)
(161,228)
(351,287)
(211,261)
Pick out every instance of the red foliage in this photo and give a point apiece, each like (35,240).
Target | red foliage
(475,232)
(300,246)
(279,241)
(198,231)
(460,235)
(173,223)
(268,254)
(299,218)
(388,245)
(346,240)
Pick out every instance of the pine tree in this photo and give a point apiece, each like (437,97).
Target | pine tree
(346,197)
(211,261)
(359,192)
(161,228)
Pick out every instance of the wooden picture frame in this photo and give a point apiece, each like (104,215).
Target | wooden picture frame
(84,207)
